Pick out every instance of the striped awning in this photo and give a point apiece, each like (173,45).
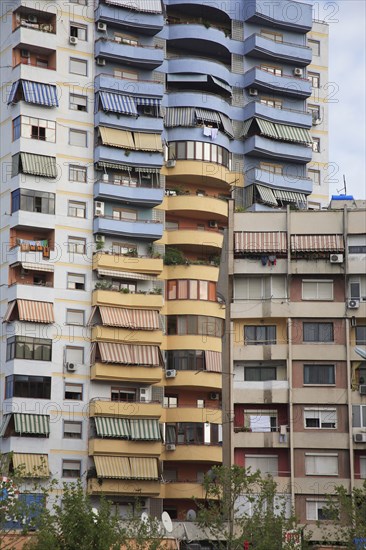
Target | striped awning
(151,6)
(144,468)
(101,165)
(207,115)
(213,361)
(266,194)
(129,354)
(113,467)
(149,101)
(126,275)
(227,125)
(116,138)
(148,142)
(267,128)
(35,92)
(35,312)
(38,165)
(32,423)
(179,116)
(289,196)
(31,465)
(118,103)
(38,267)
(256,241)
(112,427)
(281,132)
(129,318)
(317,243)
(4,424)
(146,429)
(221,83)
(9,311)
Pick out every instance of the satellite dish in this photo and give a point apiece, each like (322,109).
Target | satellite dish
(191,515)
(95,511)
(167,522)
(144,517)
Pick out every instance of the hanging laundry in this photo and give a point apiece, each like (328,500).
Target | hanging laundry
(264,260)
(207,131)
(214,133)
(271,260)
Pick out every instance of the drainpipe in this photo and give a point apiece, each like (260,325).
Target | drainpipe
(291,415)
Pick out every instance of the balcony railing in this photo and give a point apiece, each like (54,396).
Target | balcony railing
(171,20)
(43,27)
(122,219)
(33,64)
(128,42)
(125,182)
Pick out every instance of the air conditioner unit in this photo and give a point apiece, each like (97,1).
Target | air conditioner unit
(212,223)
(298,71)
(170,447)
(253,91)
(100,61)
(99,208)
(171,373)
(362,389)
(24,53)
(336,258)
(73,40)
(170,163)
(353,304)
(32,19)
(214,395)
(359,438)
(101,27)
(70,367)
(99,238)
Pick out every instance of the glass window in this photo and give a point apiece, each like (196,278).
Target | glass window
(314,79)
(77,209)
(72,430)
(124,394)
(314,175)
(22,347)
(73,392)
(277,71)
(71,468)
(78,102)
(318,332)
(78,138)
(36,387)
(259,335)
(320,418)
(75,317)
(185,360)
(76,245)
(16,128)
(316,510)
(321,464)
(78,66)
(75,281)
(265,464)
(79,31)
(317,290)
(77,173)
(276,37)
(260,374)
(33,201)
(319,374)
(361,335)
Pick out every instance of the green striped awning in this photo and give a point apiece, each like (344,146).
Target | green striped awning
(207,115)
(145,429)
(32,423)
(246,125)
(266,194)
(4,424)
(179,116)
(267,128)
(101,165)
(289,196)
(113,467)
(112,427)
(227,125)
(293,133)
(38,165)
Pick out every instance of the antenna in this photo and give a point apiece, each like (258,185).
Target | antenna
(191,515)
(167,522)
(344,188)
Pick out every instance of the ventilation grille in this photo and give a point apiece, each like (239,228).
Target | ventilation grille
(237,30)
(237,63)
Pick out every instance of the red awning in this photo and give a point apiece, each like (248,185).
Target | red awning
(129,318)
(256,241)
(213,361)
(29,310)
(317,243)
(130,354)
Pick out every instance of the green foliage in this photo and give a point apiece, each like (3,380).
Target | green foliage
(173,256)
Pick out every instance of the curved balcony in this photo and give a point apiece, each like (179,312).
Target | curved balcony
(294,16)
(283,116)
(192,414)
(215,11)
(139,56)
(204,272)
(117,262)
(115,298)
(197,380)
(118,447)
(194,453)
(210,241)
(202,39)
(123,487)
(287,85)
(144,196)
(203,173)
(196,134)
(262,147)
(111,83)
(142,22)
(281,181)
(143,229)
(259,440)
(123,373)
(115,155)
(210,343)
(98,407)
(201,65)
(200,307)
(141,124)
(126,336)
(206,207)
(261,47)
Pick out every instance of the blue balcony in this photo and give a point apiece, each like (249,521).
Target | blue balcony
(131,87)
(132,158)
(140,56)
(265,48)
(262,147)
(209,37)
(281,181)
(144,196)
(202,67)
(289,15)
(143,229)
(282,116)
(125,122)
(286,85)
(144,23)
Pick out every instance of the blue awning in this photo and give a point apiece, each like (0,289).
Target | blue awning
(151,101)
(117,103)
(35,92)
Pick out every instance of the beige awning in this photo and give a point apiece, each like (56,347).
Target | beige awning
(38,165)
(125,275)
(31,465)
(289,196)
(35,312)
(113,467)
(129,354)
(213,361)
(129,318)
(38,267)
(148,142)
(9,311)
(144,468)
(255,241)
(110,426)
(116,138)
(317,243)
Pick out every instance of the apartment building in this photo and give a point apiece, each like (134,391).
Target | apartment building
(298,322)
(148,117)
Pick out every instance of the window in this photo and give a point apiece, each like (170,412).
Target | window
(276,103)
(123,214)
(361,335)
(128,75)
(194,324)
(78,138)
(260,374)
(78,66)
(315,47)
(78,102)
(273,168)
(363,467)
(191,289)
(316,145)
(23,347)
(275,36)
(321,419)
(75,317)
(317,290)
(197,150)
(314,79)
(266,464)
(71,468)
(260,288)
(74,355)
(314,110)
(316,510)
(318,332)
(357,288)
(185,360)
(321,464)
(73,392)
(259,335)
(124,394)
(22,385)
(261,421)
(124,248)
(34,128)
(76,245)
(319,374)
(189,433)
(79,31)
(277,71)
(75,281)
(33,201)
(72,430)
(77,209)
(170,402)
(77,173)
(314,175)
(359,416)
(357,244)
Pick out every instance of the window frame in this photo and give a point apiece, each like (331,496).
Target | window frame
(74,132)
(76,245)
(260,370)
(320,456)
(84,63)
(315,46)
(78,27)
(76,206)
(258,342)
(75,423)
(68,462)
(321,410)
(74,168)
(308,366)
(318,283)
(314,79)
(360,339)
(12,345)
(317,327)
(81,311)
(73,349)
(72,104)
(262,457)
(75,385)
(317,176)
(26,386)
(68,283)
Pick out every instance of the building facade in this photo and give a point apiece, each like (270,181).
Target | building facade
(298,323)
